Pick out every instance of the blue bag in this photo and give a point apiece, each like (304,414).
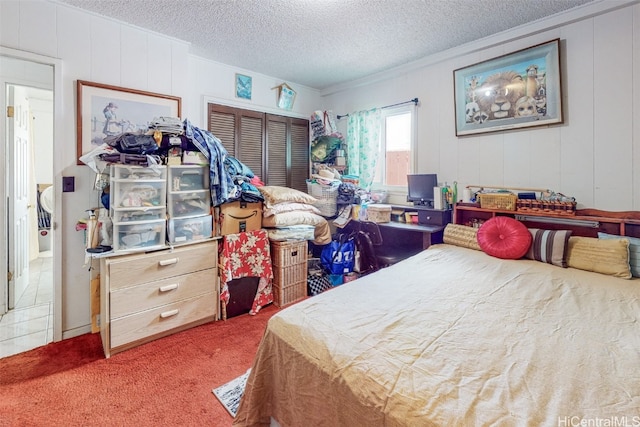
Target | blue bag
(338,257)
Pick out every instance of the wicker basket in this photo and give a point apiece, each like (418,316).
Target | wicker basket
(284,276)
(499,201)
(288,252)
(285,295)
(327,196)
(289,261)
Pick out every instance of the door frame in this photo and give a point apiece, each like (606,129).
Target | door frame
(58,119)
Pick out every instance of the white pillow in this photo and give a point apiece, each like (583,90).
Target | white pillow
(274,194)
(290,207)
(287,219)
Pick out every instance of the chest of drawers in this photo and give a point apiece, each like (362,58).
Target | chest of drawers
(147,296)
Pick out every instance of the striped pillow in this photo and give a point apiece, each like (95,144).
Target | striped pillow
(634,251)
(549,246)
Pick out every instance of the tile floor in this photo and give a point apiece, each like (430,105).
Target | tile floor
(30,323)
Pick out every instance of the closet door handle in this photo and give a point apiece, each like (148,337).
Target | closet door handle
(168,261)
(169,313)
(167,288)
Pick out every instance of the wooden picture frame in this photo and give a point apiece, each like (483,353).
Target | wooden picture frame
(104,110)
(514,91)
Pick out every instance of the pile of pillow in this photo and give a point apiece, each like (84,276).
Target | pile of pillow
(290,214)
(507,238)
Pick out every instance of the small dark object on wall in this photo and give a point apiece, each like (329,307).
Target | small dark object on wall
(68,184)
(526,196)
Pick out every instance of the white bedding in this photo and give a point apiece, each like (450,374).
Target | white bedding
(450,337)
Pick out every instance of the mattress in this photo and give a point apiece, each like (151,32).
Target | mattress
(452,336)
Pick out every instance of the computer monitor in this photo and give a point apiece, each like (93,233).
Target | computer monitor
(421,188)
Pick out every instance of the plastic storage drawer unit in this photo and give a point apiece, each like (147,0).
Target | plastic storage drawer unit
(146,234)
(183,230)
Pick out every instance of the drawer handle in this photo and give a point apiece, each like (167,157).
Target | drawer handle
(169,313)
(168,261)
(167,288)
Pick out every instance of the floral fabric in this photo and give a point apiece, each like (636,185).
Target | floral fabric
(247,255)
(363,144)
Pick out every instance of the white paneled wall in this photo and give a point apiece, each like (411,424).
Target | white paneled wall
(577,151)
(613,108)
(635,84)
(594,156)
(215,82)
(101,50)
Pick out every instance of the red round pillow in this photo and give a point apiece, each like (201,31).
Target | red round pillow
(504,237)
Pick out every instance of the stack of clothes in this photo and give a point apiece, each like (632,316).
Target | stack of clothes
(230,180)
(167,125)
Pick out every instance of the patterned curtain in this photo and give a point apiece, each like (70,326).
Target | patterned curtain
(363,143)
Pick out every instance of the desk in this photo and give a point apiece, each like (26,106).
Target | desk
(409,237)
(430,233)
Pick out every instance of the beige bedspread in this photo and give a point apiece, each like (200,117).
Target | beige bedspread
(451,337)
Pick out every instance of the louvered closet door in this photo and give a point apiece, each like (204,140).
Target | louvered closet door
(287,151)
(299,149)
(241,133)
(222,123)
(277,150)
(251,137)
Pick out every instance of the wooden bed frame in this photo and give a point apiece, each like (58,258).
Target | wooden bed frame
(623,223)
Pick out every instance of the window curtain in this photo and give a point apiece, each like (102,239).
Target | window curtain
(363,145)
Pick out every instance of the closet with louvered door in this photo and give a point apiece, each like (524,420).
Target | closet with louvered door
(275,147)
(287,151)
(241,133)
(299,149)
(277,150)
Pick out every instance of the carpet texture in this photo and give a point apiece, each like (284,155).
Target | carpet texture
(164,382)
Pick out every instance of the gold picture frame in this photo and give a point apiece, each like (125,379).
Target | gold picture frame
(514,91)
(104,110)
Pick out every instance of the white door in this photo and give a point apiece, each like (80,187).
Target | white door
(19,194)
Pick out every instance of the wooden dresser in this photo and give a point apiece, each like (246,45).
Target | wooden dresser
(147,296)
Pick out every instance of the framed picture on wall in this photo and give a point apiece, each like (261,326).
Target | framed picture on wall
(243,86)
(518,90)
(105,110)
(286,96)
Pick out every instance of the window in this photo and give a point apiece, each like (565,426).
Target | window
(395,156)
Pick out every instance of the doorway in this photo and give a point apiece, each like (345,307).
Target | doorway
(27,295)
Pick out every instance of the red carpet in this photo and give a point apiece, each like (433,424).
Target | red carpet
(165,382)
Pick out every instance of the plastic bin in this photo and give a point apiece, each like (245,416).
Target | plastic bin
(183,230)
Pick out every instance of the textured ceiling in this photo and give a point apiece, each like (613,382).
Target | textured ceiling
(322,43)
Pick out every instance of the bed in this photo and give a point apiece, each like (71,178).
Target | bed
(453,336)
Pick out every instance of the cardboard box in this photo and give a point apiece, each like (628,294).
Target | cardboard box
(237,217)
(379,213)
(194,158)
